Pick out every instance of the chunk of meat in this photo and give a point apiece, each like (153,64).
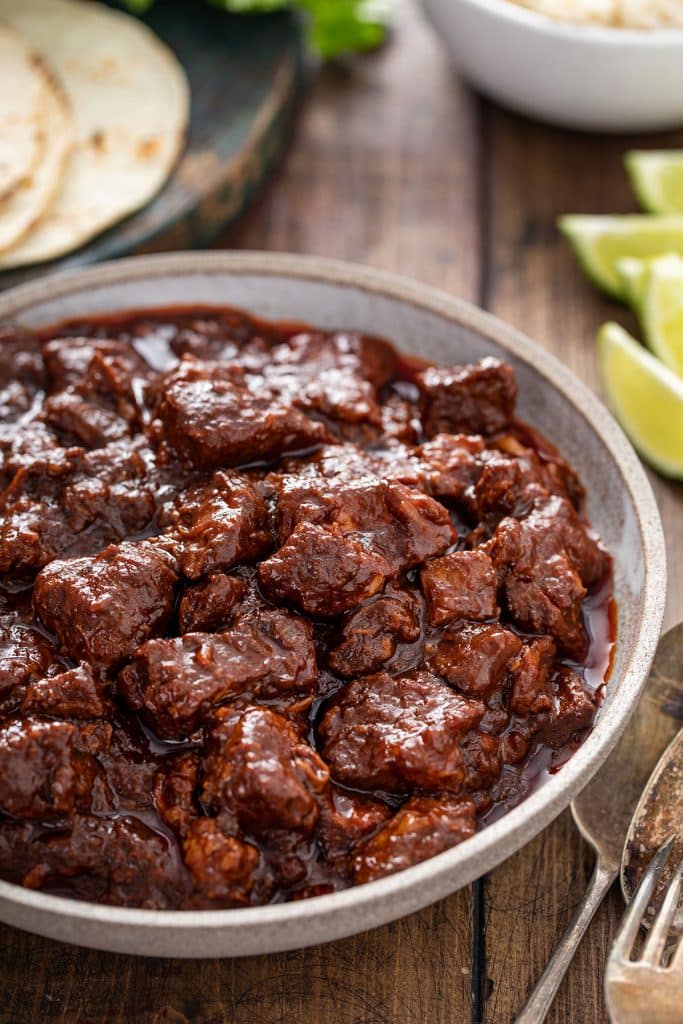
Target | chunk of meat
(21,358)
(512,478)
(101,609)
(214,422)
(71,502)
(423,827)
(484,761)
(67,360)
(545,562)
(323,572)
(76,693)
(392,734)
(476,399)
(264,773)
(336,375)
(44,773)
(462,585)
(119,861)
(216,525)
(177,682)
(400,420)
(22,374)
(82,421)
(551,528)
(174,787)
(574,708)
(25,656)
(475,658)
(222,866)
(452,464)
(369,637)
(399,522)
(530,692)
(345,819)
(208,606)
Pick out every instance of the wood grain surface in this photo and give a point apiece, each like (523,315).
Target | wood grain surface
(395,163)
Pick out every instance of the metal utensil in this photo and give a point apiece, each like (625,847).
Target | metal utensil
(658,816)
(603,810)
(649,988)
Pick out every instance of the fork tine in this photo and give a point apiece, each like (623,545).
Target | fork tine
(632,919)
(659,932)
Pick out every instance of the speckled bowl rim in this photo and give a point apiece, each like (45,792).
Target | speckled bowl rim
(321,918)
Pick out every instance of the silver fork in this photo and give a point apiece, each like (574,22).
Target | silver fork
(645,990)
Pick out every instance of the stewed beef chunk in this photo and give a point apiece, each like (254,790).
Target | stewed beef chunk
(423,827)
(369,636)
(69,502)
(120,860)
(103,608)
(335,375)
(176,682)
(67,361)
(393,734)
(399,522)
(513,475)
(83,422)
(259,769)
(484,761)
(25,656)
(545,562)
(322,571)
(213,421)
(22,374)
(530,692)
(452,464)
(174,788)
(208,606)
(21,358)
(76,693)
(477,399)
(475,659)
(96,391)
(346,818)
(223,867)
(216,525)
(44,771)
(573,709)
(461,585)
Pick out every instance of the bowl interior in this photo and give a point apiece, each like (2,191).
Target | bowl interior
(438,328)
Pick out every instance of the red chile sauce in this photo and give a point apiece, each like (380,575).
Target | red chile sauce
(291,864)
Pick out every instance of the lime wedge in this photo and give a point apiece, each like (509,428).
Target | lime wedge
(633,274)
(661,310)
(657,179)
(600,242)
(645,396)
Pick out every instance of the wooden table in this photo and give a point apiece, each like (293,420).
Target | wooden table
(397,164)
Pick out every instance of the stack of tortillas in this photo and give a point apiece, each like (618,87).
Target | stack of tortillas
(93,114)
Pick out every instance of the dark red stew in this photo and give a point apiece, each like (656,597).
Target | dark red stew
(280,610)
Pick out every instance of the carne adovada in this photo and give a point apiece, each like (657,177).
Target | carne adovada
(280,610)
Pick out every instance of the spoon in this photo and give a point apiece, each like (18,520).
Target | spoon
(603,810)
(658,817)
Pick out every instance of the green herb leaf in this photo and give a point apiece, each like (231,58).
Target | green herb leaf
(334,26)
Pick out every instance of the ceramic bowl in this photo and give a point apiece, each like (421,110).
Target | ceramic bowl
(588,77)
(445,330)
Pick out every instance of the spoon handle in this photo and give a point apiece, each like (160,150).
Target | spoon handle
(543,994)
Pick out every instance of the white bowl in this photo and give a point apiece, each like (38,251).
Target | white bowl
(598,79)
(442,329)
